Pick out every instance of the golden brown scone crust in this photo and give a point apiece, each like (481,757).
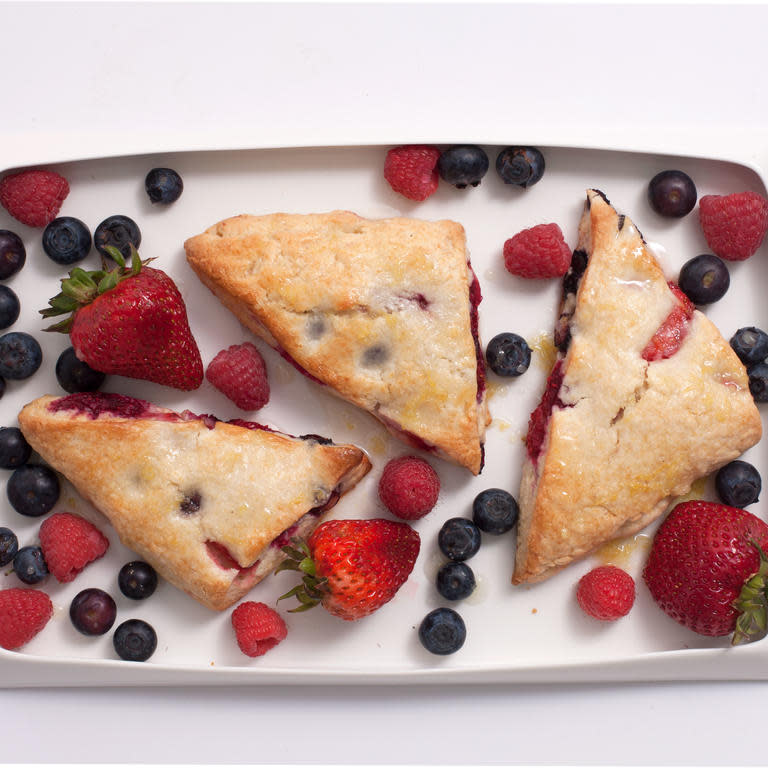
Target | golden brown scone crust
(636,434)
(379,310)
(250,485)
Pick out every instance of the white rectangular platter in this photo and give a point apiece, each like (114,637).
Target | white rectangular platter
(534,633)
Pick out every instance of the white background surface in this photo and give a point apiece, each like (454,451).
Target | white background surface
(153,77)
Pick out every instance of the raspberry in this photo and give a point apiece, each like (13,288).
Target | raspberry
(258,628)
(734,225)
(69,543)
(606,593)
(23,613)
(412,171)
(240,373)
(33,197)
(538,252)
(409,487)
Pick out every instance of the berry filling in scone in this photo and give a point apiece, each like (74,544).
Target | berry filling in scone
(671,333)
(475,297)
(571,282)
(539,420)
(94,404)
(272,554)
(303,371)
(111,404)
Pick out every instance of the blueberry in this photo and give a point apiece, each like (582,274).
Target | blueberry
(455,581)
(137,580)
(29,565)
(758,382)
(134,640)
(9,307)
(508,354)
(495,511)
(442,631)
(521,166)
(459,539)
(190,503)
(738,484)
(163,185)
(74,375)
(672,194)
(463,165)
(20,355)
(9,545)
(33,490)
(93,611)
(704,279)
(14,449)
(12,254)
(66,240)
(118,231)
(750,345)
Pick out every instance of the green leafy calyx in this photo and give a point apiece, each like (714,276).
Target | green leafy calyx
(312,589)
(752,604)
(81,287)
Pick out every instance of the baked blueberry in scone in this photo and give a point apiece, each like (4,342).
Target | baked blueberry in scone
(644,398)
(384,312)
(208,503)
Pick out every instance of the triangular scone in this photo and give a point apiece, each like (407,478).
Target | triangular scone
(207,503)
(618,437)
(382,311)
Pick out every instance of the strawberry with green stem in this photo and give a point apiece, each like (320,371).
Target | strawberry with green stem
(129,321)
(352,567)
(707,569)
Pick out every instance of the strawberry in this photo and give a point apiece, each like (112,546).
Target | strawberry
(352,567)
(130,321)
(708,571)
(411,171)
(409,487)
(33,197)
(258,628)
(23,614)
(537,253)
(606,593)
(734,225)
(69,543)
